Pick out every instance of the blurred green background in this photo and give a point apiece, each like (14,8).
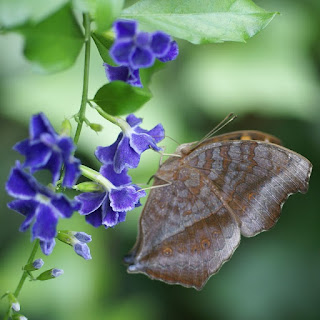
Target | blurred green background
(272,82)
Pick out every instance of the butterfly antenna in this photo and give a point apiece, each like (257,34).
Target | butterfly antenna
(173,140)
(230,117)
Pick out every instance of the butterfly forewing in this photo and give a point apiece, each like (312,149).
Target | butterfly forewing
(226,185)
(254,178)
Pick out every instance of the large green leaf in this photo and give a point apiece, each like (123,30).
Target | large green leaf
(103,12)
(54,43)
(118,98)
(16,12)
(204,21)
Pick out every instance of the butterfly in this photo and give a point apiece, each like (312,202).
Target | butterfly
(212,193)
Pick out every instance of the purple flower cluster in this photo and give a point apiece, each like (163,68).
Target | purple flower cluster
(42,207)
(45,149)
(108,208)
(38,204)
(135,49)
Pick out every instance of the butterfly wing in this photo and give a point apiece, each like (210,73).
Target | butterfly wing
(253,178)
(185,232)
(189,228)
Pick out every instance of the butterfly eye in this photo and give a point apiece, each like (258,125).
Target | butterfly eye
(167,251)
(205,244)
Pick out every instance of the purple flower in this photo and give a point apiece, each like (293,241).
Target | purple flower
(109,208)
(133,49)
(126,151)
(137,49)
(45,149)
(125,74)
(40,206)
(78,240)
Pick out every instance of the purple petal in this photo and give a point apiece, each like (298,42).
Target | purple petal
(125,28)
(134,78)
(125,156)
(66,146)
(106,154)
(56,272)
(160,43)
(123,199)
(37,264)
(90,201)
(45,226)
(120,52)
(110,217)
(83,237)
(122,216)
(133,121)
(21,185)
(37,155)
(72,172)
(124,74)
(26,208)
(141,193)
(141,142)
(39,124)
(142,39)
(141,58)
(22,146)
(116,179)
(157,133)
(172,53)
(48,139)
(47,246)
(116,73)
(82,250)
(64,206)
(53,165)
(95,218)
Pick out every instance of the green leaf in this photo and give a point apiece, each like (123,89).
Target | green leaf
(16,12)
(203,21)
(103,43)
(118,98)
(106,12)
(54,43)
(103,12)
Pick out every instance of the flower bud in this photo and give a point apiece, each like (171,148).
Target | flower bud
(66,128)
(96,127)
(50,274)
(35,265)
(88,186)
(14,303)
(78,240)
(18,316)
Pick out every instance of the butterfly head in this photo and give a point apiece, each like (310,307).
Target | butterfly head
(185,149)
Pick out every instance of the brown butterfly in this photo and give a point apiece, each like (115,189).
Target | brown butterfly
(228,185)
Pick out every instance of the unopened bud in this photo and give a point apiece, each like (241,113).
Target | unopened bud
(50,274)
(96,127)
(78,240)
(14,303)
(18,316)
(66,128)
(35,265)
(88,186)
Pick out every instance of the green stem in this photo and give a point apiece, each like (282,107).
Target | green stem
(23,277)
(82,111)
(116,120)
(96,177)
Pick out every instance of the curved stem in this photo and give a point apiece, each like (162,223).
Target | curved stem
(96,177)
(82,111)
(23,277)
